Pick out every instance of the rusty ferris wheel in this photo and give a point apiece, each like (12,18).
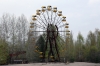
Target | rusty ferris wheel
(49,21)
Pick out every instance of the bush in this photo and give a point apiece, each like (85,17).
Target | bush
(94,55)
(3,53)
(72,60)
(3,60)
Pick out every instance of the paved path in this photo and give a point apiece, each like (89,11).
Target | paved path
(57,64)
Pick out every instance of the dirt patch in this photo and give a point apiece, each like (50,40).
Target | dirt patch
(56,64)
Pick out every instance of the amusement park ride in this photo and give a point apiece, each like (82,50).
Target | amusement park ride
(49,21)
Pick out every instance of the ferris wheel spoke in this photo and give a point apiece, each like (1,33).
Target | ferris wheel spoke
(41,24)
(63,36)
(45,18)
(42,21)
(59,22)
(61,39)
(61,26)
(54,18)
(47,15)
(51,16)
(45,37)
(39,27)
(59,44)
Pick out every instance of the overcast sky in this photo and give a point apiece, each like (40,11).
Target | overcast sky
(82,15)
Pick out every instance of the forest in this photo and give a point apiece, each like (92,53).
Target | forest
(15,37)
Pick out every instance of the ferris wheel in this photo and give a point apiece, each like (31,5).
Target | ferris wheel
(50,23)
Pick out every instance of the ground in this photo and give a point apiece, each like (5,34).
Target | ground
(57,64)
